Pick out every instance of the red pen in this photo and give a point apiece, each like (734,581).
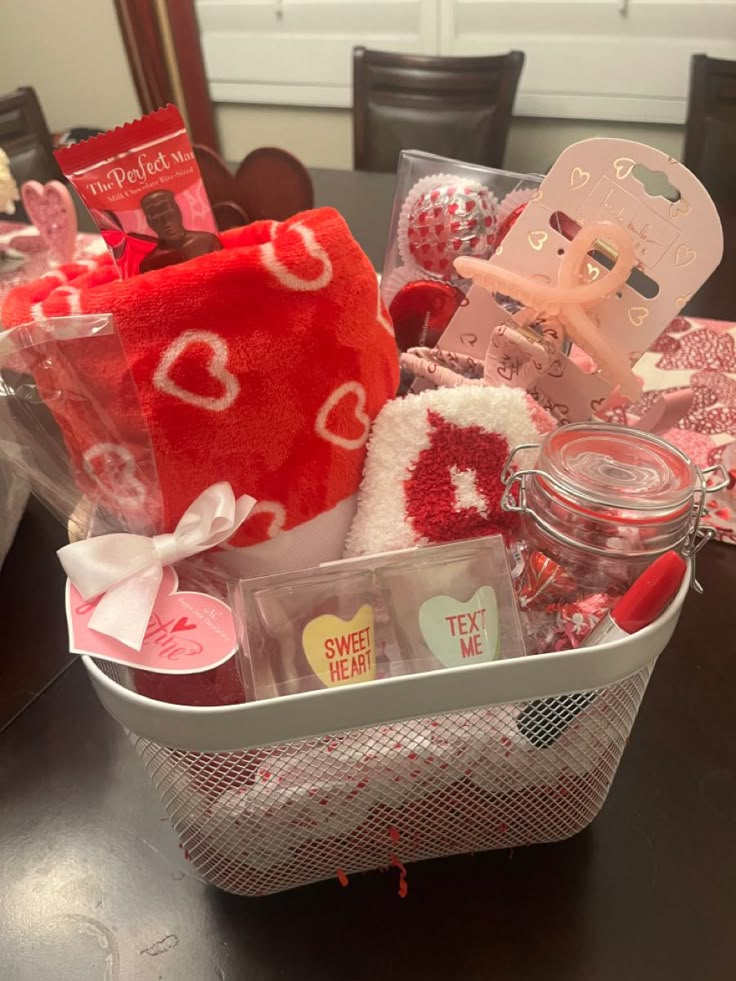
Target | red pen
(643,602)
(543,721)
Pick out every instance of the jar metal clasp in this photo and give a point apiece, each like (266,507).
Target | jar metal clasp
(698,536)
(511,500)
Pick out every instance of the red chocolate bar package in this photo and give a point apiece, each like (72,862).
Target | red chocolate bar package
(144,190)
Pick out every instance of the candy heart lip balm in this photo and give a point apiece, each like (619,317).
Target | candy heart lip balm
(451,605)
(341,652)
(308,630)
(461,633)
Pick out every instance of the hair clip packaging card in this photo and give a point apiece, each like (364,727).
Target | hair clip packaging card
(386,615)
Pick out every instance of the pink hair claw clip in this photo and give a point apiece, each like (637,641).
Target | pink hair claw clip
(568,303)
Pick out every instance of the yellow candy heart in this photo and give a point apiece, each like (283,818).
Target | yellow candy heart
(341,652)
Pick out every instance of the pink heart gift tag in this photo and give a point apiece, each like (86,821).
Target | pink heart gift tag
(51,209)
(187,633)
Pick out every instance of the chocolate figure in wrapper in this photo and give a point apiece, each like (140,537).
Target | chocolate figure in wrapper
(175,242)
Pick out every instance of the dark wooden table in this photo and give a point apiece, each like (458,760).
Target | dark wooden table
(93,885)
(364,199)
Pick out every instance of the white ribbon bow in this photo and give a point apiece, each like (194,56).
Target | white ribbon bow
(128,568)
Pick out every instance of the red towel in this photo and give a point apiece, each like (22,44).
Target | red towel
(262,364)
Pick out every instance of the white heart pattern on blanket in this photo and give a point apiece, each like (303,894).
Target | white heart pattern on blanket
(331,402)
(278,518)
(290,279)
(216,367)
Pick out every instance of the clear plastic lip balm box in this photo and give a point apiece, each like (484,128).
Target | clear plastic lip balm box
(386,615)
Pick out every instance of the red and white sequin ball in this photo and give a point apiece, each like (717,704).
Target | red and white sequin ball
(444,217)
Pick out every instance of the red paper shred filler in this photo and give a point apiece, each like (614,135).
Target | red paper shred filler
(403,886)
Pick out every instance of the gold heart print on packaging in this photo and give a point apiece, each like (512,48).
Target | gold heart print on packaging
(307,630)
(537,240)
(578,178)
(360,620)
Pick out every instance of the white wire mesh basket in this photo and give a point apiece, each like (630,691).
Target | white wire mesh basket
(276,794)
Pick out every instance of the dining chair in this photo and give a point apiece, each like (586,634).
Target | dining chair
(268,184)
(710,132)
(25,137)
(455,107)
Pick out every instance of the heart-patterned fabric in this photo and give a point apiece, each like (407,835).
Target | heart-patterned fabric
(700,355)
(433,472)
(263,365)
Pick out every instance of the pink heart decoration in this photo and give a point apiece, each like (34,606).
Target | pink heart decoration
(187,633)
(51,209)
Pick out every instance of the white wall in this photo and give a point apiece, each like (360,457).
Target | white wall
(71,52)
(319,137)
(535,144)
(323,137)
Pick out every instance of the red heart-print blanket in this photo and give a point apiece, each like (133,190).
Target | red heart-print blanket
(262,364)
